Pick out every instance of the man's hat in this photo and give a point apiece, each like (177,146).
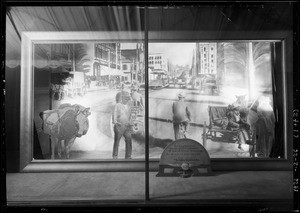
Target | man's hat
(233,106)
(181,95)
(236,106)
(122,95)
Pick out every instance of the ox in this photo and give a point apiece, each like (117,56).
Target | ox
(64,125)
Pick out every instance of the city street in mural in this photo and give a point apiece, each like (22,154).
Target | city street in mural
(228,92)
(226,87)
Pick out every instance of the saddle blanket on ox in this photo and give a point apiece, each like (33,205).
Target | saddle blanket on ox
(64,125)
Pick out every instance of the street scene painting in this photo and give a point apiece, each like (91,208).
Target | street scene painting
(216,93)
(89,99)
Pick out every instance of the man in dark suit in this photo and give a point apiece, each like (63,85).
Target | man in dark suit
(181,117)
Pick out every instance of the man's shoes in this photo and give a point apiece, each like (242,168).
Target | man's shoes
(115,157)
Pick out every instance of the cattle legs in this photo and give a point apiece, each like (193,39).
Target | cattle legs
(53,144)
(62,145)
(68,144)
(56,143)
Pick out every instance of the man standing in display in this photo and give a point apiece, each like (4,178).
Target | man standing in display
(122,124)
(181,117)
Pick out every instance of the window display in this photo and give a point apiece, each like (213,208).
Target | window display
(89,97)
(88,105)
(217,93)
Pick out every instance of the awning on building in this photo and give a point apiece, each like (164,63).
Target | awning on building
(104,70)
(159,71)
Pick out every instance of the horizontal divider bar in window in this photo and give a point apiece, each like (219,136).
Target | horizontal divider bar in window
(75,36)
(193,36)
(139,165)
(154,36)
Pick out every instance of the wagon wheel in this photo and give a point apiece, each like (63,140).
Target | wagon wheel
(204,135)
(252,144)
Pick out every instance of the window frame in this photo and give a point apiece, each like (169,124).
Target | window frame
(28,164)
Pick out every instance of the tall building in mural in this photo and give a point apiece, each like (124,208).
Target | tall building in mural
(107,60)
(133,63)
(205,61)
(158,62)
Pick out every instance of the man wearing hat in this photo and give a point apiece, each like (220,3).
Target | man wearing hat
(181,117)
(122,124)
(137,97)
(236,122)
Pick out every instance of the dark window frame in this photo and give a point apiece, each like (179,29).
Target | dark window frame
(27,164)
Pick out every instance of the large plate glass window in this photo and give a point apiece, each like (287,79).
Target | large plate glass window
(84,82)
(218,87)
(227,92)
(82,89)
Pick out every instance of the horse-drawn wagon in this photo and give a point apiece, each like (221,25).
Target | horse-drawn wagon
(217,130)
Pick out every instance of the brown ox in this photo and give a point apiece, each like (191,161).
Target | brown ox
(64,125)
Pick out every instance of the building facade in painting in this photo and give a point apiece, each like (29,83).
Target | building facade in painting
(205,59)
(107,60)
(158,62)
(133,65)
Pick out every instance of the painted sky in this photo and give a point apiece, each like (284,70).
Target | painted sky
(177,53)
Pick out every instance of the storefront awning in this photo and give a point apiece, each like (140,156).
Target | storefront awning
(110,71)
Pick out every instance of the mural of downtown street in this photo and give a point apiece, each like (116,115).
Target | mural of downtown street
(173,68)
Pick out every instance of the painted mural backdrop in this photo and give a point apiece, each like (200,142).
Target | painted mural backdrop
(232,80)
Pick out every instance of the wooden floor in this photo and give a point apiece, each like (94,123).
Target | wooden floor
(71,189)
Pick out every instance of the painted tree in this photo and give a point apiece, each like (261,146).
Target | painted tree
(262,63)
(221,71)
(231,55)
(81,59)
(248,57)
(236,55)
(261,53)
(260,67)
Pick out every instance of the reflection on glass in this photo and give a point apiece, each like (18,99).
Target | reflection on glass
(89,100)
(217,93)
